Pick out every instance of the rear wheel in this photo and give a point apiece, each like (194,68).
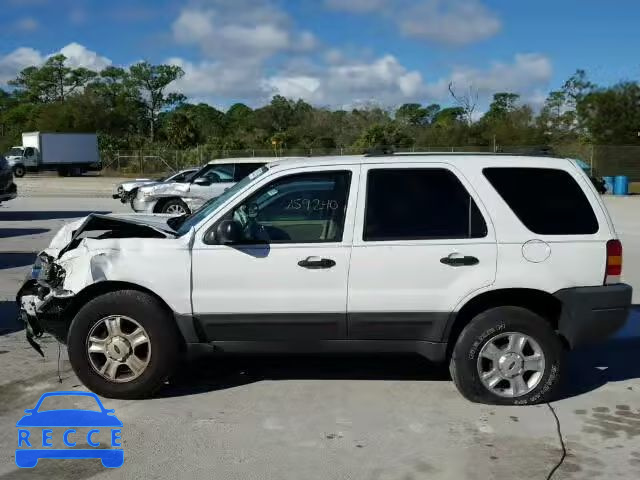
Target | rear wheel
(507,356)
(175,207)
(19,171)
(123,344)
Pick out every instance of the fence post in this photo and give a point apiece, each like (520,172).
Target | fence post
(141,161)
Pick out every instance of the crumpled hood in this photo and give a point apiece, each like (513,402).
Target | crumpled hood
(66,234)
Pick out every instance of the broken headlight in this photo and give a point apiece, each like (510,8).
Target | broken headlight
(46,271)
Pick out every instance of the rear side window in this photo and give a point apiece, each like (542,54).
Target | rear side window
(546,200)
(244,169)
(419,204)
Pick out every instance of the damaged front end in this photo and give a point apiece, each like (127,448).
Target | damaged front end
(49,288)
(42,300)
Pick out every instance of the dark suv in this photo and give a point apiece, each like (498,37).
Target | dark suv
(8,189)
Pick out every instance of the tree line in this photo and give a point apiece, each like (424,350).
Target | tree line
(134,108)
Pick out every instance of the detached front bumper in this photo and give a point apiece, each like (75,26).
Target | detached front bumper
(592,314)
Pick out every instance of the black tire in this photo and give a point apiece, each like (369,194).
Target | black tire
(149,313)
(19,171)
(463,365)
(63,172)
(174,202)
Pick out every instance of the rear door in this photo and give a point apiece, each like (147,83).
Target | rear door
(422,242)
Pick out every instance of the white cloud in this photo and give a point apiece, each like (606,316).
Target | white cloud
(451,22)
(356,6)
(241,29)
(26,25)
(77,56)
(386,81)
(80,56)
(14,62)
(454,22)
(527,72)
(78,16)
(232,80)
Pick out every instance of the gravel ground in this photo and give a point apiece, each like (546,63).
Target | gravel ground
(344,417)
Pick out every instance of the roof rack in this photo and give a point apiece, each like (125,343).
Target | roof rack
(493,154)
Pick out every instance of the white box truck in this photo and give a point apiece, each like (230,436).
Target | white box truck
(66,153)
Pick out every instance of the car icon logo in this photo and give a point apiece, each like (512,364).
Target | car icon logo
(37,428)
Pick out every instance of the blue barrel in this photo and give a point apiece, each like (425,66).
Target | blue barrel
(621,185)
(608,182)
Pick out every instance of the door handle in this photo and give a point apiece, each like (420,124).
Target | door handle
(457,260)
(314,263)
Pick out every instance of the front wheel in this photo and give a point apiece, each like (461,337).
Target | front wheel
(123,344)
(19,171)
(175,207)
(507,356)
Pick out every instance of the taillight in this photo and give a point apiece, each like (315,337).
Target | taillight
(614,262)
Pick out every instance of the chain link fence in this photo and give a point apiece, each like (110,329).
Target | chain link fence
(605,160)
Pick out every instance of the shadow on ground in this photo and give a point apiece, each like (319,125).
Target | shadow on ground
(10,215)
(210,373)
(9,322)
(587,369)
(612,361)
(16,259)
(21,232)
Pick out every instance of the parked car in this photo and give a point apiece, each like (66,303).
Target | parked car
(183,198)
(127,191)
(8,189)
(460,258)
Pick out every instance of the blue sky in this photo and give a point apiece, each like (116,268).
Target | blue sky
(335,52)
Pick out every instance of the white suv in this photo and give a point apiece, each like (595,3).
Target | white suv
(462,258)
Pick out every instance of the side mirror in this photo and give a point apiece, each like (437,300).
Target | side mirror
(228,232)
(205,182)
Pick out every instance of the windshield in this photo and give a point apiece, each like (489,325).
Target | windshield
(14,152)
(213,204)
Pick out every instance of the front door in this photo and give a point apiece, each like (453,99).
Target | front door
(211,182)
(422,243)
(287,277)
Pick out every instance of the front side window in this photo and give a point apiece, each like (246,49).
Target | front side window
(28,152)
(546,200)
(419,204)
(302,208)
(222,173)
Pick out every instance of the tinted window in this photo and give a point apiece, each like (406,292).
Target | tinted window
(413,204)
(244,169)
(301,208)
(547,201)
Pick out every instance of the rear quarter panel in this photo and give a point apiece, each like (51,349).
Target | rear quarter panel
(573,260)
